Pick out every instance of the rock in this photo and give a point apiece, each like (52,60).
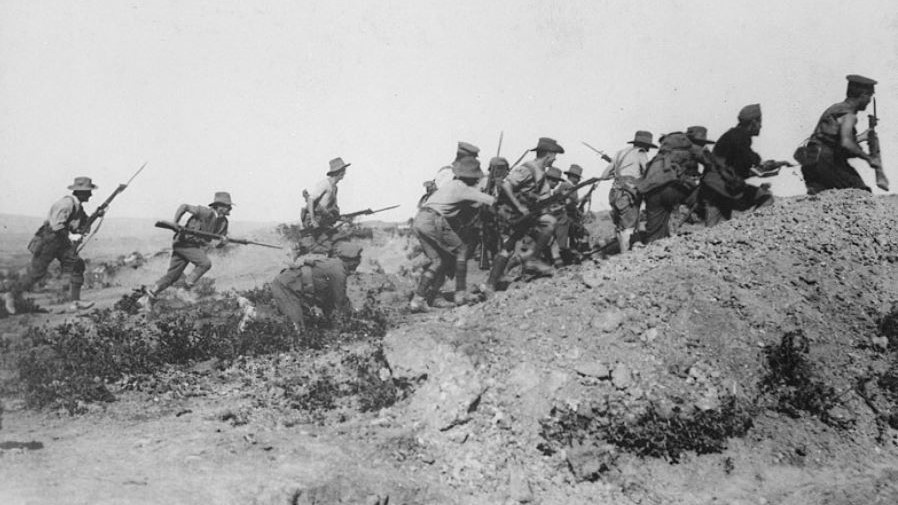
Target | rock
(608,321)
(592,278)
(519,489)
(587,462)
(709,401)
(650,335)
(621,377)
(593,369)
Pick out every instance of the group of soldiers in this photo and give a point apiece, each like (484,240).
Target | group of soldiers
(531,199)
(528,213)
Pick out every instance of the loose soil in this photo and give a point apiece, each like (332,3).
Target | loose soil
(675,330)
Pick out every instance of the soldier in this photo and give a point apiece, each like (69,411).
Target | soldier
(56,239)
(574,234)
(627,168)
(671,177)
(497,172)
(321,210)
(187,249)
(723,187)
(437,227)
(835,141)
(558,185)
(491,226)
(315,284)
(446,173)
(522,189)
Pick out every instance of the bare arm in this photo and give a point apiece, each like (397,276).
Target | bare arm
(182,209)
(509,192)
(849,142)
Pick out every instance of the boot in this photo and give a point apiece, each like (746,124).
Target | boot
(623,239)
(418,304)
(9,299)
(497,271)
(148,299)
(75,296)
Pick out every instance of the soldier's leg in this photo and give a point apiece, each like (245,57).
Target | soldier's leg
(286,289)
(201,264)
(73,268)
(40,262)
(714,207)
(44,252)
(629,219)
(657,212)
(176,267)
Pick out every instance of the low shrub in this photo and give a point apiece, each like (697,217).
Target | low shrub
(650,434)
(790,384)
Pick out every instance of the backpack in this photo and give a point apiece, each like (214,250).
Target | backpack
(669,165)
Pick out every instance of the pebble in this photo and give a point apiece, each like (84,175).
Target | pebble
(621,377)
(594,369)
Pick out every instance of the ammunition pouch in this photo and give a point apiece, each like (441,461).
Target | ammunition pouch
(808,153)
(41,237)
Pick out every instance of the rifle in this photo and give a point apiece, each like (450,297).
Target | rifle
(600,153)
(519,159)
(175,227)
(101,210)
(522,224)
(366,212)
(587,198)
(873,142)
(499,150)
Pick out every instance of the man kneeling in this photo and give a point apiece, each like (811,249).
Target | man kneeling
(313,284)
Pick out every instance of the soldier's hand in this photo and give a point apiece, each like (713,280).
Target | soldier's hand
(313,223)
(875,164)
(101,212)
(75,237)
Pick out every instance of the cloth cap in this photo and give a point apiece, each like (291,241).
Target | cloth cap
(860,82)
(467,168)
(467,149)
(549,145)
(222,198)
(575,170)
(554,173)
(750,112)
(83,184)
(337,165)
(498,161)
(643,138)
(698,135)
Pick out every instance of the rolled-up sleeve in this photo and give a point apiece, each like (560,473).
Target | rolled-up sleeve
(60,213)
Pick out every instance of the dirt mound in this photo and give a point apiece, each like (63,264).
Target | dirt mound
(676,331)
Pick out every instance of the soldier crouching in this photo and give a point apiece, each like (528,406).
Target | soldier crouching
(438,226)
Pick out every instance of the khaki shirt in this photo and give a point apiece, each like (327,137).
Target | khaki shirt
(205,219)
(455,196)
(66,213)
(528,178)
(629,162)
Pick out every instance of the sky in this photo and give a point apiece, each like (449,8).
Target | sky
(256,97)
